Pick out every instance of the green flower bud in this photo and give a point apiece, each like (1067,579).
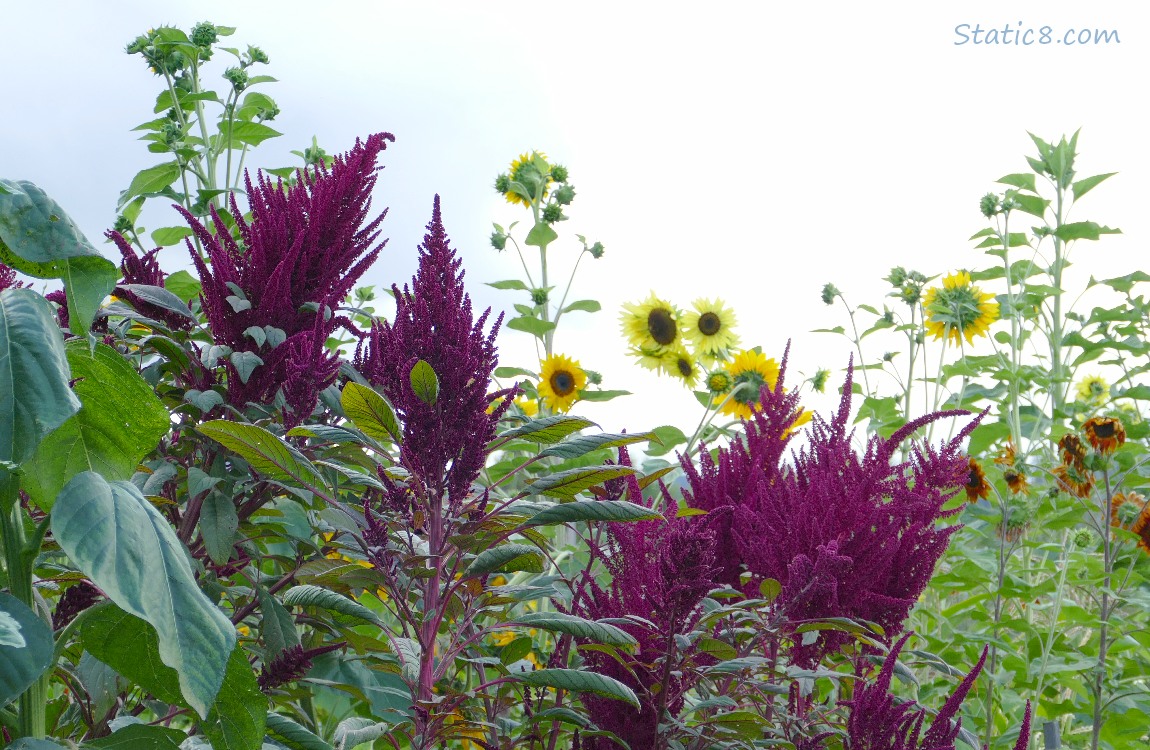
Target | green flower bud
(594,378)
(830,291)
(559,173)
(897,276)
(911,293)
(238,77)
(498,240)
(819,381)
(596,250)
(888,357)
(502,184)
(564,195)
(1083,538)
(204,34)
(989,205)
(122,224)
(257,55)
(539,296)
(137,45)
(552,213)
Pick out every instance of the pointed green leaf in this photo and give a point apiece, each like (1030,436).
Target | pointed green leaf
(508,284)
(541,234)
(288,732)
(592,395)
(140,737)
(236,721)
(532,325)
(34,394)
(593,510)
(569,483)
(130,646)
(183,285)
(424,382)
(246,133)
(167,236)
(1085,185)
(1025,181)
(315,596)
(266,453)
(25,647)
(1083,230)
(370,412)
(585,305)
(123,544)
(277,626)
(218,525)
(557,622)
(583,444)
(409,653)
(149,181)
(506,558)
(245,363)
(160,297)
(358,730)
(119,422)
(549,429)
(579,681)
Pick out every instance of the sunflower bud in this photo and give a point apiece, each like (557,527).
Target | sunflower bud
(498,240)
(539,296)
(122,224)
(564,195)
(204,35)
(257,55)
(897,276)
(819,381)
(238,77)
(553,213)
(559,173)
(989,205)
(502,184)
(596,250)
(830,291)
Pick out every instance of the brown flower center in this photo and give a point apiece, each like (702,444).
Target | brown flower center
(562,382)
(974,480)
(661,326)
(709,324)
(1104,430)
(684,366)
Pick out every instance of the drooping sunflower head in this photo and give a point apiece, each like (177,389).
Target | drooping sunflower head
(976,484)
(1104,433)
(958,308)
(710,327)
(1073,451)
(651,325)
(1141,527)
(1125,508)
(749,372)
(528,174)
(1074,479)
(678,363)
(1093,390)
(561,379)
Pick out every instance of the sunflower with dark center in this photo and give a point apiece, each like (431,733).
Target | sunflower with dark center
(1093,390)
(1073,451)
(561,380)
(651,325)
(749,372)
(529,173)
(710,328)
(1141,527)
(1015,480)
(1104,433)
(1074,479)
(976,484)
(678,363)
(958,309)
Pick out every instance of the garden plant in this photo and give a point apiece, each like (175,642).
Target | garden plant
(240,509)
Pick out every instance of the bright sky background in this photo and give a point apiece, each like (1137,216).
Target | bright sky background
(748,150)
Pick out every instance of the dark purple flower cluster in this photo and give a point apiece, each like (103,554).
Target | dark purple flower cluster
(8,278)
(846,535)
(446,425)
(660,571)
(290,664)
(144,269)
(304,249)
(77,598)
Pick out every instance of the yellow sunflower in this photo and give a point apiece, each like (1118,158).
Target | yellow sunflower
(529,407)
(678,363)
(1093,390)
(749,372)
(650,325)
(958,308)
(710,327)
(560,381)
(528,171)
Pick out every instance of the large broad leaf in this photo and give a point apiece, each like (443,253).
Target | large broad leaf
(548,429)
(583,444)
(25,647)
(578,681)
(569,483)
(34,394)
(557,622)
(266,453)
(238,717)
(370,412)
(506,558)
(38,239)
(287,732)
(593,510)
(315,596)
(127,548)
(119,422)
(140,737)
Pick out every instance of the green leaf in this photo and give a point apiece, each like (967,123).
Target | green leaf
(424,382)
(160,297)
(218,525)
(593,510)
(1025,181)
(590,395)
(586,305)
(506,558)
(541,234)
(149,181)
(25,647)
(27,743)
(34,394)
(277,627)
(579,681)
(205,401)
(167,236)
(119,422)
(245,364)
(130,646)
(667,437)
(510,372)
(266,453)
(358,730)
(508,284)
(569,483)
(236,721)
(532,325)
(549,429)
(1085,185)
(140,737)
(123,544)
(582,444)
(288,732)
(557,622)
(183,285)
(1083,230)
(315,596)
(370,412)
(246,133)
(38,239)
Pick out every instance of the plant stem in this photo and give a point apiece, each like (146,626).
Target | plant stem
(1103,645)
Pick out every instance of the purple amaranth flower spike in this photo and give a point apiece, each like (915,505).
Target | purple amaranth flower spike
(145,269)
(660,571)
(8,278)
(304,249)
(444,442)
(291,664)
(79,597)
(846,535)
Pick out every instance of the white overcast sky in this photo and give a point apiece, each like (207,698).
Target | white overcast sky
(748,150)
